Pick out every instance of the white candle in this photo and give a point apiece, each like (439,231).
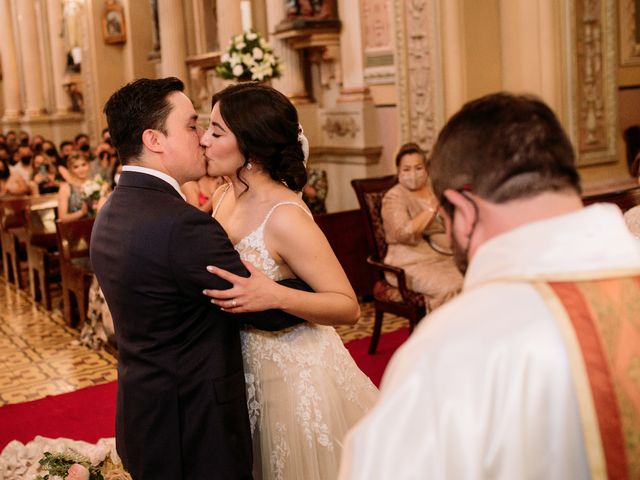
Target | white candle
(245,14)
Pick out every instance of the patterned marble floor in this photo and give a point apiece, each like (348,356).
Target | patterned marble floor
(40,355)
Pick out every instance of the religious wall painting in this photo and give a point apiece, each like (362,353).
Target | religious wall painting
(310,9)
(113,23)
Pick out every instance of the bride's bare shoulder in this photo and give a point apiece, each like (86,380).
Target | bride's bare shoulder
(219,194)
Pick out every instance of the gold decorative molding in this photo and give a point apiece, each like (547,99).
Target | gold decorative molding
(594,105)
(345,155)
(419,84)
(628,33)
(340,127)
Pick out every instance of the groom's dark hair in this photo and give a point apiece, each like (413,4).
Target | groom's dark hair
(136,107)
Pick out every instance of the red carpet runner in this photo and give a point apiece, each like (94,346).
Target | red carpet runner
(88,414)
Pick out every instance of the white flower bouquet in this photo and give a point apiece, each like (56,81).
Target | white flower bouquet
(249,57)
(91,192)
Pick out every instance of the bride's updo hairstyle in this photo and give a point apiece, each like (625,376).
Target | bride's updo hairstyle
(265,124)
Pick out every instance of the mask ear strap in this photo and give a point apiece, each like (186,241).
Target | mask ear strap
(464,191)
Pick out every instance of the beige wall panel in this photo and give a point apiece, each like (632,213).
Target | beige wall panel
(482,47)
(139,40)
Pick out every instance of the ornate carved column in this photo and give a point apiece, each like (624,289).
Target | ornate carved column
(10,81)
(229,21)
(28,33)
(593,81)
(419,81)
(531,49)
(351,51)
(172,39)
(453,53)
(291,83)
(58,57)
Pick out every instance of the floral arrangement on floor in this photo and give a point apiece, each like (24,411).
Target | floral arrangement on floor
(249,57)
(73,465)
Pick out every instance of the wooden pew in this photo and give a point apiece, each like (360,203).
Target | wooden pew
(42,250)
(75,268)
(625,198)
(348,238)
(13,234)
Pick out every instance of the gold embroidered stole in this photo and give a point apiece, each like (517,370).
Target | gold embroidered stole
(600,324)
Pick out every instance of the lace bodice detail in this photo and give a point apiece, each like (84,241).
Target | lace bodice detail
(253,249)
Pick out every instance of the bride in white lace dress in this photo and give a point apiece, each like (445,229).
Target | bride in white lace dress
(304,390)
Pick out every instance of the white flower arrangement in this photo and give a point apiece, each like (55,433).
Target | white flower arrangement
(249,57)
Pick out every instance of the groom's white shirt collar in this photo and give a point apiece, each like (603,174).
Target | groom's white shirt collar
(156,173)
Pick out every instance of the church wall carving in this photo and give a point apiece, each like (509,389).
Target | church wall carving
(593,82)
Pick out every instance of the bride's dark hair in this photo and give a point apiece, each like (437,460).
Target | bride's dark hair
(265,124)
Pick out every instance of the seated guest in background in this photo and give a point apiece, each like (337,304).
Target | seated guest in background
(67,147)
(82,197)
(632,216)
(36,143)
(23,138)
(4,176)
(12,140)
(43,178)
(410,217)
(11,183)
(102,167)
(83,145)
(5,153)
(23,167)
(98,329)
(16,185)
(529,372)
(105,135)
(314,192)
(199,193)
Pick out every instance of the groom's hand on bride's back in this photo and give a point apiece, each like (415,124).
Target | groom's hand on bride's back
(253,294)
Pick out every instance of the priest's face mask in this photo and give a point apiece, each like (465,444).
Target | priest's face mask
(460,247)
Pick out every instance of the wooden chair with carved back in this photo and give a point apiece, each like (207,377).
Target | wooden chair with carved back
(398,300)
(42,250)
(75,268)
(13,234)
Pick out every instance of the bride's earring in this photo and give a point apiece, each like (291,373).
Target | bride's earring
(249,166)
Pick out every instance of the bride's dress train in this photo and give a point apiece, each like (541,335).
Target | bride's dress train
(304,391)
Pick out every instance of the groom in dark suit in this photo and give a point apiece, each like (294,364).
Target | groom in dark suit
(181,409)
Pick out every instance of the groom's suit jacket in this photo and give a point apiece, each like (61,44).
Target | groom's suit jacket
(181,408)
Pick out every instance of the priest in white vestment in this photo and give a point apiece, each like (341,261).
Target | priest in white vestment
(493,384)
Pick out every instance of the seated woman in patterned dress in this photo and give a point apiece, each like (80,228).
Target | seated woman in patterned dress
(410,217)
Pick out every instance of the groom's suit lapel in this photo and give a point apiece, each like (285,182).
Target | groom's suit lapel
(145,181)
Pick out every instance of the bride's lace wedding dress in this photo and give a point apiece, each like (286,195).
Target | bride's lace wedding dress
(304,391)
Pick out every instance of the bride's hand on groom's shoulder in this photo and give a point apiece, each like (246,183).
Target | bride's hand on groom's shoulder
(255,293)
